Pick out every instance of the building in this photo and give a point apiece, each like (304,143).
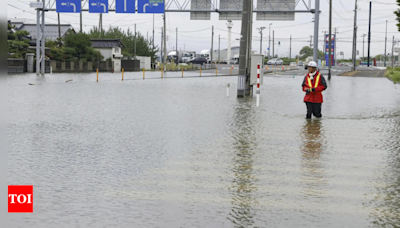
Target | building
(51,30)
(111,49)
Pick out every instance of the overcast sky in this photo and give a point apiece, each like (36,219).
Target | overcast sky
(196,35)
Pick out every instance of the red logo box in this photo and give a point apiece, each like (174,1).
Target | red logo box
(20,198)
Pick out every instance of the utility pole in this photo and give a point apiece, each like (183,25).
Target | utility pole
(135,41)
(153,31)
(335,44)
(316,29)
(369,32)
(385,44)
(162,45)
(269,45)
(177,55)
(81,19)
(355,38)
(243,79)
(59,26)
(228,57)
(165,41)
(393,52)
(219,48)
(363,36)
(273,43)
(261,40)
(290,51)
(101,23)
(212,45)
(310,41)
(330,40)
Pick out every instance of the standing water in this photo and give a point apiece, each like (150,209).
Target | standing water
(180,153)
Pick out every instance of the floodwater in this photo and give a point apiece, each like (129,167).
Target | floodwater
(180,153)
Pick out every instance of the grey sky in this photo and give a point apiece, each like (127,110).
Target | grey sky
(301,29)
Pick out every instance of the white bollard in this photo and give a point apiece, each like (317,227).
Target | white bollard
(258,98)
(227,90)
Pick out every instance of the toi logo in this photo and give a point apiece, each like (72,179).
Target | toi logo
(20,199)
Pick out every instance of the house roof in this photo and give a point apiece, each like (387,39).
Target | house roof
(51,30)
(107,43)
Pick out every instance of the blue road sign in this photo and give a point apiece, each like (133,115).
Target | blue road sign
(98,6)
(150,6)
(68,6)
(125,6)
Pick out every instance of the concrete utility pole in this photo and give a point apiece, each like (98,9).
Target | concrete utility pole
(369,32)
(385,44)
(135,41)
(59,26)
(316,29)
(43,42)
(165,41)
(219,48)
(335,43)
(162,45)
(153,31)
(269,45)
(310,41)
(363,36)
(290,50)
(273,43)
(261,40)
(212,45)
(243,79)
(81,18)
(355,38)
(330,40)
(228,57)
(101,23)
(177,55)
(393,52)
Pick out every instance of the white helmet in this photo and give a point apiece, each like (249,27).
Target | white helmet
(312,64)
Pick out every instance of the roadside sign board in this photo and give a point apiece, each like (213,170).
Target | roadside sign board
(37,5)
(333,42)
(125,6)
(98,6)
(68,6)
(150,6)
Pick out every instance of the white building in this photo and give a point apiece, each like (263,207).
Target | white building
(110,49)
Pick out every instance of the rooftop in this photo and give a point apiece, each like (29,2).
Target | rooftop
(107,43)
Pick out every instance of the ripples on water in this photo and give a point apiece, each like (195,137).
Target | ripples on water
(179,153)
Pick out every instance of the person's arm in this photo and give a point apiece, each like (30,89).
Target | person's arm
(304,85)
(321,86)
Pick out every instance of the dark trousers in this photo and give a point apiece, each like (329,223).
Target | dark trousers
(313,109)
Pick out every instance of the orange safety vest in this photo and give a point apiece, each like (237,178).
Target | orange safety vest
(316,81)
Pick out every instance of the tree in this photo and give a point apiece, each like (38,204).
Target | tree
(397,13)
(75,47)
(17,43)
(307,51)
(143,47)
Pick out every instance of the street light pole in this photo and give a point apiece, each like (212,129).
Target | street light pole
(363,36)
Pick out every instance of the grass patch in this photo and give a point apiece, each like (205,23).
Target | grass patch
(393,73)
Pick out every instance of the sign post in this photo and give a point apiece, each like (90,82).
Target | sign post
(151,6)
(68,6)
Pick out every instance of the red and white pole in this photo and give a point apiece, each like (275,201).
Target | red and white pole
(258,85)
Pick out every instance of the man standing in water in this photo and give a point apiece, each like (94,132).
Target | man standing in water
(314,83)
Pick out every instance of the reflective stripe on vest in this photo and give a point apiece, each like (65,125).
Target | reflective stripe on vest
(316,81)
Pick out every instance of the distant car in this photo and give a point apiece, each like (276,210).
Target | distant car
(275,62)
(300,63)
(198,60)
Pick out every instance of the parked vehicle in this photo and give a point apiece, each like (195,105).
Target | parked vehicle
(188,55)
(205,54)
(275,62)
(300,63)
(198,60)
(177,57)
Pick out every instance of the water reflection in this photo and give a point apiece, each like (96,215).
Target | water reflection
(387,202)
(243,185)
(312,169)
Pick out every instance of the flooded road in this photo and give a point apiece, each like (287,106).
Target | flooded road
(180,153)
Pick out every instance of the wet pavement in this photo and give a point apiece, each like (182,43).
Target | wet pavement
(178,152)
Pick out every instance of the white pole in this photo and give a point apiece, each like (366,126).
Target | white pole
(228,57)
(258,85)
